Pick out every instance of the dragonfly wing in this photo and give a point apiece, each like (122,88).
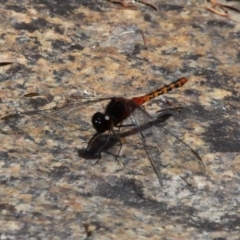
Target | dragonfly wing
(146,130)
(164,148)
(76,112)
(181,155)
(43,118)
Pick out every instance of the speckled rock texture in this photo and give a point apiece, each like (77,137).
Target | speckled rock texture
(68,50)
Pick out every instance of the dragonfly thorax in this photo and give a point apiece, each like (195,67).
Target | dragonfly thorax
(101,122)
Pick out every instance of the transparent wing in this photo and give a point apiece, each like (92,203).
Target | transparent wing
(43,111)
(146,129)
(163,148)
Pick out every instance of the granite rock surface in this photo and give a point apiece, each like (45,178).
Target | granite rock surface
(61,53)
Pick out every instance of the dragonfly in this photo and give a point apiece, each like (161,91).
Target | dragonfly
(162,147)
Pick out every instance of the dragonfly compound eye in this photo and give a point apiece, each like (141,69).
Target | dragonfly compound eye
(101,122)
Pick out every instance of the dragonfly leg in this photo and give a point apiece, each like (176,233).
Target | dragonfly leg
(91,141)
(177,108)
(96,135)
(120,142)
(125,125)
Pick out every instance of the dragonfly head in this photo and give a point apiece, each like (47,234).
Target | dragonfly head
(101,122)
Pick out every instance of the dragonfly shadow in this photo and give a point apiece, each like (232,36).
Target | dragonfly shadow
(111,142)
